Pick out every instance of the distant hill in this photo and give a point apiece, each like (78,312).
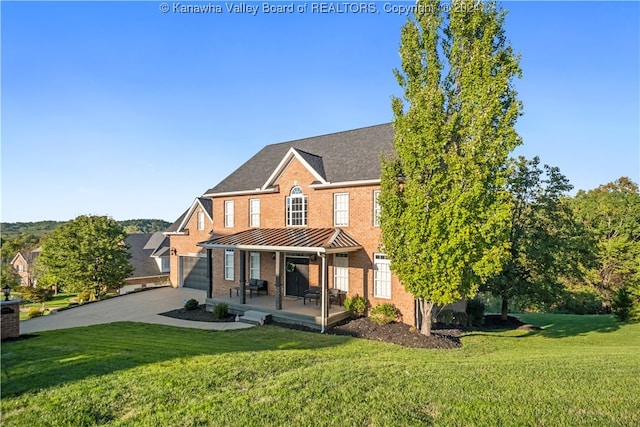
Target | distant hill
(41,228)
(132,226)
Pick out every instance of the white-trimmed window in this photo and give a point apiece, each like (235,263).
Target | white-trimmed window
(165,264)
(200,220)
(20,268)
(254,212)
(376,208)
(228,213)
(229,260)
(341,209)
(254,265)
(381,276)
(341,272)
(296,207)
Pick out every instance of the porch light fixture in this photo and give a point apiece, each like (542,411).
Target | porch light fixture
(313,257)
(173,251)
(6,290)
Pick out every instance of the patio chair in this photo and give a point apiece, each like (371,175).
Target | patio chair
(257,285)
(335,295)
(312,293)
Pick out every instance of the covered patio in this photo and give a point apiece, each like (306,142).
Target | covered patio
(290,244)
(293,310)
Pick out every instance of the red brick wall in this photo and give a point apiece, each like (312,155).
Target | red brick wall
(320,215)
(10,319)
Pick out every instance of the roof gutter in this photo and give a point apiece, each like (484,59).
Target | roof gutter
(244,192)
(359,183)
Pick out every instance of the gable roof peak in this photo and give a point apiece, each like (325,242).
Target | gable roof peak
(347,156)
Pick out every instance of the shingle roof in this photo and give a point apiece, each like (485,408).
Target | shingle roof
(207,205)
(352,155)
(155,240)
(329,239)
(28,256)
(314,161)
(174,228)
(143,264)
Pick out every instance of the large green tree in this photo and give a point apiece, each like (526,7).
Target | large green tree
(546,243)
(9,276)
(444,207)
(87,254)
(611,213)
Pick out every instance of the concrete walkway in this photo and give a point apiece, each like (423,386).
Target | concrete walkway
(136,307)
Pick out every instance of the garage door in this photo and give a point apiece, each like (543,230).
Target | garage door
(194,272)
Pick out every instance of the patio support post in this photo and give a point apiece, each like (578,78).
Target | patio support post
(210,273)
(278,283)
(243,275)
(323,293)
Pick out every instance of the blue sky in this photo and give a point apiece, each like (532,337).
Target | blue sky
(116,108)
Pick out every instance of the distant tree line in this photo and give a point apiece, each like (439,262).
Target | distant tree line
(40,228)
(26,236)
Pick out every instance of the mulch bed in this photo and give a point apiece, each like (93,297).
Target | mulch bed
(198,315)
(399,333)
(442,336)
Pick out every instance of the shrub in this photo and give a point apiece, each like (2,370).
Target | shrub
(192,304)
(220,310)
(460,318)
(622,305)
(383,314)
(84,296)
(357,305)
(445,316)
(34,312)
(40,295)
(475,312)
(578,302)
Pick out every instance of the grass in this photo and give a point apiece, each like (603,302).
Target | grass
(579,370)
(58,301)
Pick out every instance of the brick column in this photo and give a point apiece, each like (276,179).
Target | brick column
(10,318)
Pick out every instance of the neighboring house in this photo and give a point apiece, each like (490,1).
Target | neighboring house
(150,260)
(297,214)
(24,263)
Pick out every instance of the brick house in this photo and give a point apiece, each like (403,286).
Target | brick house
(24,262)
(297,214)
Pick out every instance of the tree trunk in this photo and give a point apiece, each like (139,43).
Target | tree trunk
(505,312)
(425,310)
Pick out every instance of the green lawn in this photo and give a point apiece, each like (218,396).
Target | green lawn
(58,301)
(580,370)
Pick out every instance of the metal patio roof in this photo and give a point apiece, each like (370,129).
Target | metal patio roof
(313,240)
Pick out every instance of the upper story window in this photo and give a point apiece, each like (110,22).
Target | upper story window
(20,268)
(228,213)
(254,213)
(200,220)
(341,209)
(376,208)
(296,207)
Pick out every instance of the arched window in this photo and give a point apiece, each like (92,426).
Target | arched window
(296,207)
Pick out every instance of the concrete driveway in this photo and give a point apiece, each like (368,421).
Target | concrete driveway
(135,307)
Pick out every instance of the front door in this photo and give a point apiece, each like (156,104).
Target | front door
(297,276)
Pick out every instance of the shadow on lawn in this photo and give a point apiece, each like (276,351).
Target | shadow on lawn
(547,325)
(568,325)
(58,357)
